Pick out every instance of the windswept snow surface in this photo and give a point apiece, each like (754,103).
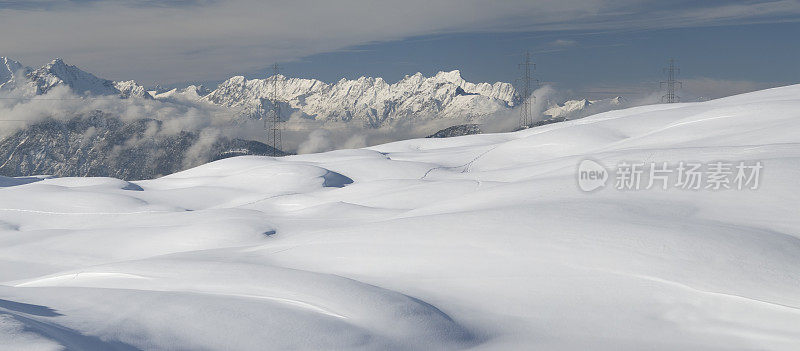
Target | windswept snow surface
(482,242)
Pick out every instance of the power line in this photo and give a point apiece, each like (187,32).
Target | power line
(672,72)
(232,118)
(60,99)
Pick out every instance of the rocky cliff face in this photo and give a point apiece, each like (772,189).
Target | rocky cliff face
(98,144)
(457,130)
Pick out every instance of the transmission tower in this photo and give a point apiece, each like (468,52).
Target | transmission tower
(272,121)
(527,67)
(672,73)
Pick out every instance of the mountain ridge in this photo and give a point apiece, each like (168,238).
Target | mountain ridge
(369,101)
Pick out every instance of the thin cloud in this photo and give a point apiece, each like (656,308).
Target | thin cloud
(691,89)
(704,88)
(210,40)
(72,4)
(563,43)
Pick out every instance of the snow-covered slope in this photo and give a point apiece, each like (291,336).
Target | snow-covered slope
(371,101)
(482,241)
(572,109)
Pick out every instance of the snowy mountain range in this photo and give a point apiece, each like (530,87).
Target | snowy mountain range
(369,101)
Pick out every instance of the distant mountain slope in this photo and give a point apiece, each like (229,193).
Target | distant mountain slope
(572,109)
(9,71)
(102,145)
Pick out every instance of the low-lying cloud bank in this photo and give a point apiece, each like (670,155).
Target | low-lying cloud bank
(300,134)
(18,111)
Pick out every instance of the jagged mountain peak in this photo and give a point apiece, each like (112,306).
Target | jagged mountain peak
(58,62)
(453,76)
(58,72)
(130,89)
(235,80)
(191,93)
(200,90)
(416,77)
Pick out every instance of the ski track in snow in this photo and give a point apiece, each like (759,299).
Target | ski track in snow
(480,242)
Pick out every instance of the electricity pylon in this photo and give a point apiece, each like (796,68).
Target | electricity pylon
(672,74)
(526,93)
(272,122)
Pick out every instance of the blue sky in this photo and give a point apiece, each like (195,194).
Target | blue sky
(594,64)
(592,48)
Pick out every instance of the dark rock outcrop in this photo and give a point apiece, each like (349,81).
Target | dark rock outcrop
(457,130)
(98,144)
